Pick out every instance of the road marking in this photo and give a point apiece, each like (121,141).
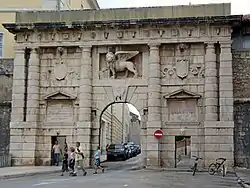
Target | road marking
(57,180)
(43,183)
(49,181)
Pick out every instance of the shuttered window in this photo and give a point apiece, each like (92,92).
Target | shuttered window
(1,44)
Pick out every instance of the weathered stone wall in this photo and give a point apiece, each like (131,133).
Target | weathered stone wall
(241,70)
(6,71)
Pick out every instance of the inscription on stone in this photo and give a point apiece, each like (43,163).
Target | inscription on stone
(60,111)
(182,110)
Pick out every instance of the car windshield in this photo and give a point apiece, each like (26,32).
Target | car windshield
(114,146)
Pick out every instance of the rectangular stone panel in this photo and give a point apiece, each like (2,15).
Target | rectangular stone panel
(59,111)
(183,110)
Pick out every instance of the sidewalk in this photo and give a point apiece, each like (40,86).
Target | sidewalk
(243,173)
(16,172)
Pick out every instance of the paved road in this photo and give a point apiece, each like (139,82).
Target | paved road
(124,178)
(118,175)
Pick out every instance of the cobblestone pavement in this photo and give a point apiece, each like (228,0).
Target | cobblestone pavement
(125,178)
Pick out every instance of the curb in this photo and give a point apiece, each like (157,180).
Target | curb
(179,170)
(12,176)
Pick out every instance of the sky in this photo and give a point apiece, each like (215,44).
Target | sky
(237,6)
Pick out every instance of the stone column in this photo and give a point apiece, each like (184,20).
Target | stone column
(85,96)
(33,87)
(17,112)
(32,115)
(154,105)
(226,82)
(211,85)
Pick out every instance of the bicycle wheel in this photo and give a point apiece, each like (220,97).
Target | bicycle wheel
(212,169)
(194,169)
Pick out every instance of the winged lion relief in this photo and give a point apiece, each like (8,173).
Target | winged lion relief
(118,62)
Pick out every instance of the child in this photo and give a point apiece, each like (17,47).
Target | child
(72,161)
(65,161)
(98,160)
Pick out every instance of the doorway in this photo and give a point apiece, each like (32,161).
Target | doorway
(183,152)
(61,141)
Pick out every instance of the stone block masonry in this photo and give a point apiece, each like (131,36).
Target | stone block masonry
(169,73)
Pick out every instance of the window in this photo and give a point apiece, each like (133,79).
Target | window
(56,4)
(51,4)
(1,44)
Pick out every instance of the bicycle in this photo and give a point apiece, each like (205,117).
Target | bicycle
(194,167)
(218,167)
(242,183)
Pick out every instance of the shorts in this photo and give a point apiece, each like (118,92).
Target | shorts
(97,162)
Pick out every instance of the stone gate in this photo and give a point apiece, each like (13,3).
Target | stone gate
(176,71)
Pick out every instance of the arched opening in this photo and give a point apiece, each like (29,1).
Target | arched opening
(119,127)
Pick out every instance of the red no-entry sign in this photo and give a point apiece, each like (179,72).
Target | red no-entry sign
(158,134)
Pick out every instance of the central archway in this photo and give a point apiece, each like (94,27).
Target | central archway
(130,108)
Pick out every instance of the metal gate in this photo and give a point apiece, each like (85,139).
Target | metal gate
(5,160)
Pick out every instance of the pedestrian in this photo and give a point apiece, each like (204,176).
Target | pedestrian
(72,161)
(57,151)
(98,160)
(79,159)
(65,161)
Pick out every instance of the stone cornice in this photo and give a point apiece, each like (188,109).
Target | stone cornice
(89,25)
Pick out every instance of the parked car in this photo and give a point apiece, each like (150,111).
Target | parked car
(133,150)
(138,149)
(128,151)
(117,151)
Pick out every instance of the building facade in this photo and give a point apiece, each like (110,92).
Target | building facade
(241,80)
(176,71)
(8,14)
(115,125)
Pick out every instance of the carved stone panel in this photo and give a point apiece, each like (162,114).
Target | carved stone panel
(183,110)
(60,111)
(120,63)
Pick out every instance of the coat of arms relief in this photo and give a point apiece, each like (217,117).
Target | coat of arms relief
(182,66)
(120,62)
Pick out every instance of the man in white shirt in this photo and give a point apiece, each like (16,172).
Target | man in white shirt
(79,158)
(57,151)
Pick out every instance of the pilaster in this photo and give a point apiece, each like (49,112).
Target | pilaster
(211,85)
(84,125)
(17,112)
(33,87)
(18,87)
(154,105)
(226,82)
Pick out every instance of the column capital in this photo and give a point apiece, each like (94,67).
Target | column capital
(19,49)
(226,44)
(86,48)
(154,45)
(209,45)
(36,50)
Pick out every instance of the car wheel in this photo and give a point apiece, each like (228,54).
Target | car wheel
(108,158)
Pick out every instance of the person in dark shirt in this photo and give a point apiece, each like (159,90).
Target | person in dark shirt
(65,161)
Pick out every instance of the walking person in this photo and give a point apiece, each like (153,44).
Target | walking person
(57,151)
(65,161)
(72,156)
(98,160)
(79,159)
